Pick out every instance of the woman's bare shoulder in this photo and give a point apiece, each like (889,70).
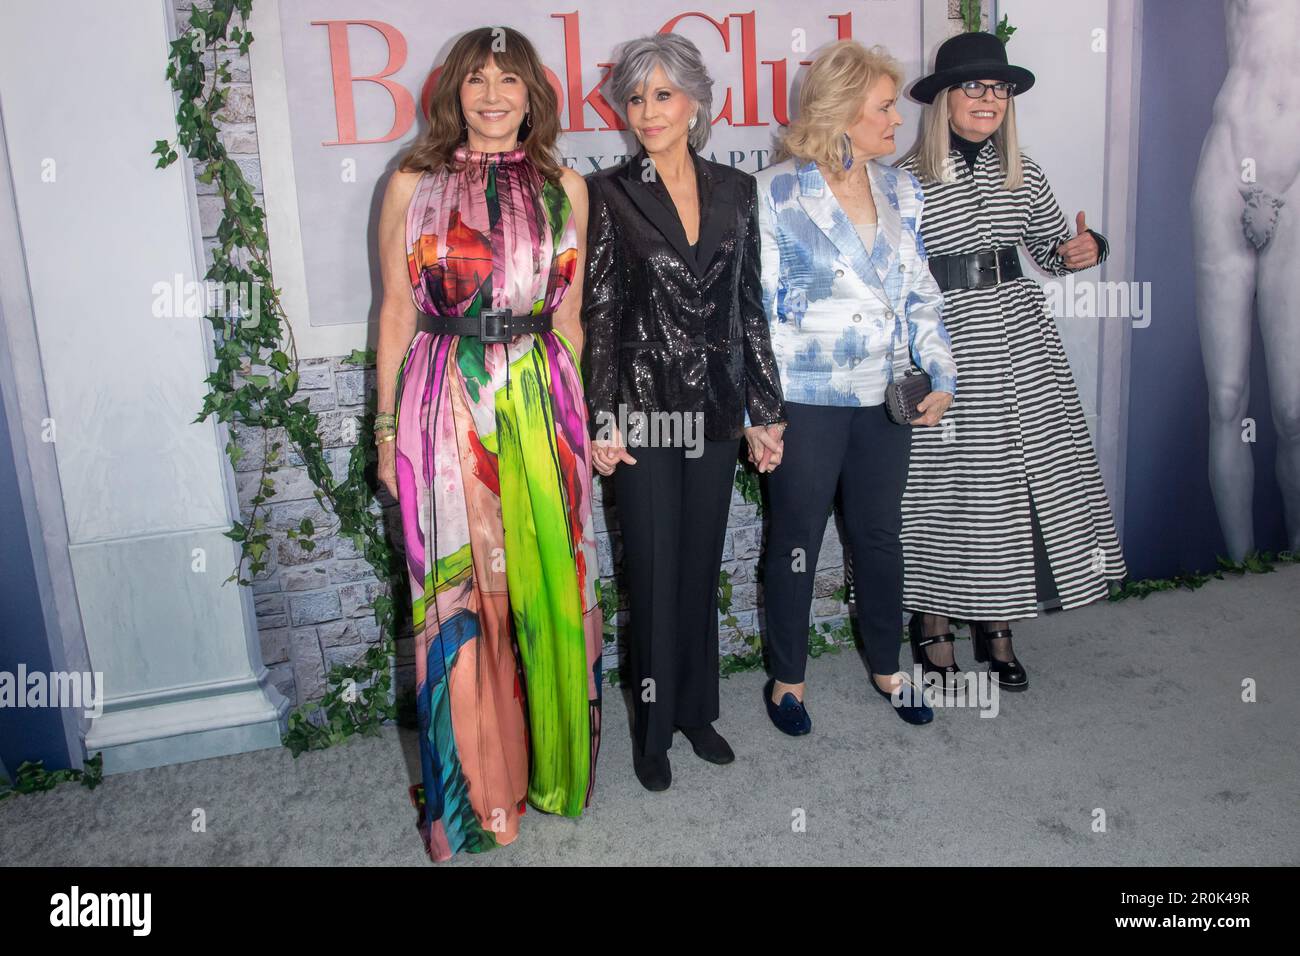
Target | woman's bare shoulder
(397,199)
(573,183)
(401,184)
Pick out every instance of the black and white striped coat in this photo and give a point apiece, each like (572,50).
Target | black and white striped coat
(1015,434)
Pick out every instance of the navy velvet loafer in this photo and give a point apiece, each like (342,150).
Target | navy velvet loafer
(790,716)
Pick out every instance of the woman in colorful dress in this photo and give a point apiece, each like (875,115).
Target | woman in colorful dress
(487,452)
(1014,473)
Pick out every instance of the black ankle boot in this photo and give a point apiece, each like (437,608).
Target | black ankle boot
(709,744)
(653,770)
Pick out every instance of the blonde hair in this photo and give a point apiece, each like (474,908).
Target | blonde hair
(933,143)
(830,101)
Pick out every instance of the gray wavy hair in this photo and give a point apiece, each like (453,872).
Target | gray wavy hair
(683,65)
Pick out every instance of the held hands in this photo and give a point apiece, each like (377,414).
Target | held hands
(932,407)
(605,455)
(765,449)
(1081,251)
(766,446)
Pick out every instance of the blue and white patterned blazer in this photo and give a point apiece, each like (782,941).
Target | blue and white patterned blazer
(837,312)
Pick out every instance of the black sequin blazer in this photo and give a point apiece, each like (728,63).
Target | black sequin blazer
(669,328)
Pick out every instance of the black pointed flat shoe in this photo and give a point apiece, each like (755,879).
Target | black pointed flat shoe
(709,744)
(789,716)
(913,713)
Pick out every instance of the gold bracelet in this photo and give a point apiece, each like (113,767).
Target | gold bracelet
(380,441)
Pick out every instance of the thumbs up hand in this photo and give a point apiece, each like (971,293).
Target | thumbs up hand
(1082,251)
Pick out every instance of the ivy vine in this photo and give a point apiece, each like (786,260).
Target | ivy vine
(1257,562)
(971,12)
(747,483)
(32,777)
(255,381)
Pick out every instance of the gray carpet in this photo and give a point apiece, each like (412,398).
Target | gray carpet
(1135,709)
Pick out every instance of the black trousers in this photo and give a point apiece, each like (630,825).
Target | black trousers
(864,455)
(673,510)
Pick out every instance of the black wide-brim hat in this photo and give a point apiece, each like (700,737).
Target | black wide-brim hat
(970,56)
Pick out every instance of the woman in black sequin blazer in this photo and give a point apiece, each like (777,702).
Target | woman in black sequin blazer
(677,366)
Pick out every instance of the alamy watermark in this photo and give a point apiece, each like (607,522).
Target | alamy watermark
(969,689)
(654,429)
(182,299)
(1092,299)
(84,689)
(75,908)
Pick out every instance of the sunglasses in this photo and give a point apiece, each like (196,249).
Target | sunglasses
(975,89)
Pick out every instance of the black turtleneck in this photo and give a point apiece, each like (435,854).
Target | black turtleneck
(968,149)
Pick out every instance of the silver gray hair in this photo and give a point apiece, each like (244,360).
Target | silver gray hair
(684,67)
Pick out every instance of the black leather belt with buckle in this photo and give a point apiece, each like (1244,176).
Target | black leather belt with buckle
(976,270)
(490,325)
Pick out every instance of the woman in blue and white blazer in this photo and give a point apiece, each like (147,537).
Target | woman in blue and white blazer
(849,297)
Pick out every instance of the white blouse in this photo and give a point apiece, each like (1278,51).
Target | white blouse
(867,230)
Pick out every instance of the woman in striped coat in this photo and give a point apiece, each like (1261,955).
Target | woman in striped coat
(1013,472)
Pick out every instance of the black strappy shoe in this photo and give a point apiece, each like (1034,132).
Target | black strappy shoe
(1009,674)
(949,674)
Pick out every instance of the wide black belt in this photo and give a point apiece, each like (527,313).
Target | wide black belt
(490,325)
(976,270)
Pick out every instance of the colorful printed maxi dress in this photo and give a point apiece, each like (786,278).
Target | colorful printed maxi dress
(494,484)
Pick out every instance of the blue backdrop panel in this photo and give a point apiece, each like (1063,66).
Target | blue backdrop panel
(1170,524)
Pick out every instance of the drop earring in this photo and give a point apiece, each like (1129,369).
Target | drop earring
(691,124)
(848,152)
